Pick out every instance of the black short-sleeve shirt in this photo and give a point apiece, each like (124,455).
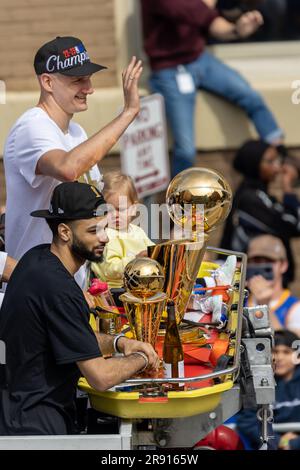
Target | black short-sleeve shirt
(44,324)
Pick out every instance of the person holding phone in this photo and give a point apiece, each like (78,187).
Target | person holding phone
(267,263)
(255,209)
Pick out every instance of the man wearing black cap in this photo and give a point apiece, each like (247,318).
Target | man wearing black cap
(45,146)
(44,323)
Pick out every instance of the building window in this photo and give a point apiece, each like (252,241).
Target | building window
(282,17)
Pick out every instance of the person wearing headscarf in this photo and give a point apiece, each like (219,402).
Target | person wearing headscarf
(255,211)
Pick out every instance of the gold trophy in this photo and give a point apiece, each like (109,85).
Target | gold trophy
(198,199)
(144,301)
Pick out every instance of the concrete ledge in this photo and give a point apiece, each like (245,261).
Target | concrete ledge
(219,125)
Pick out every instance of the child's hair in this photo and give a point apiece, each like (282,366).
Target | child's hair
(285,338)
(115,181)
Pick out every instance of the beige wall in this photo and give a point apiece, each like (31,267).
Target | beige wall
(128,34)
(26,24)
(111,30)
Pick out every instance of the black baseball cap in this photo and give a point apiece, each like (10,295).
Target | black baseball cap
(66,55)
(74,201)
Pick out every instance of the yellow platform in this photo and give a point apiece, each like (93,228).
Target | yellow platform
(128,404)
(131,405)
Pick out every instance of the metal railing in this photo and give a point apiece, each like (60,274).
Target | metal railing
(236,361)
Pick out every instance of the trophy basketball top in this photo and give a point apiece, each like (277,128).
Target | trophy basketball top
(143,277)
(199,196)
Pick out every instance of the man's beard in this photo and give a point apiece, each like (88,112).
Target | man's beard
(80,251)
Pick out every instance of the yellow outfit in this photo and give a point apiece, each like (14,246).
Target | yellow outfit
(121,248)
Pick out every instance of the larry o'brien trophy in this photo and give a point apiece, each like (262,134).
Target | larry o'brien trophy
(198,199)
(144,300)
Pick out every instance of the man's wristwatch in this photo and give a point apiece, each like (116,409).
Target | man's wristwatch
(116,339)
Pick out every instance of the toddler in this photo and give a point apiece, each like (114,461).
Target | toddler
(126,240)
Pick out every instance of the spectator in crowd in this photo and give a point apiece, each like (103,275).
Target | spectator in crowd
(287,396)
(267,263)
(126,240)
(44,322)
(254,210)
(175,36)
(45,146)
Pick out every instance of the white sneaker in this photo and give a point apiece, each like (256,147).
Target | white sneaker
(214,305)
(224,274)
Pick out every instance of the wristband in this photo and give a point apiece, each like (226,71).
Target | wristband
(143,355)
(116,339)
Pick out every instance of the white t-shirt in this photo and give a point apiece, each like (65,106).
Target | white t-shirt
(34,134)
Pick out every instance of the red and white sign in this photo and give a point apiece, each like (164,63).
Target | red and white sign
(144,151)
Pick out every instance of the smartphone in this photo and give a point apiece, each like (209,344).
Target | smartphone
(260,269)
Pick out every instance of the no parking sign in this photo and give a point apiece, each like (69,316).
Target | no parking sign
(144,152)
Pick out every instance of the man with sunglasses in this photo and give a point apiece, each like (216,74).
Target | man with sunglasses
(267,263)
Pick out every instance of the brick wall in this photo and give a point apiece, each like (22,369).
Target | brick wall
(26,24)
